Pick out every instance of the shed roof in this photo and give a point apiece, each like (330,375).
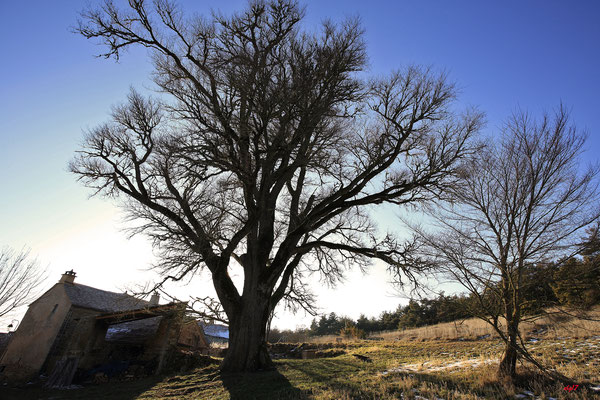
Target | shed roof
(102,300)
(133,332)
(216,330)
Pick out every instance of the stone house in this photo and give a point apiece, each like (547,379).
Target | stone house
(76,328)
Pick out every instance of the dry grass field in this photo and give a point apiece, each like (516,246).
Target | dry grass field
(446,361)
(461,370)
(554,325)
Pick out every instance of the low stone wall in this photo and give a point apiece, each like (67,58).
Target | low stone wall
(306,350)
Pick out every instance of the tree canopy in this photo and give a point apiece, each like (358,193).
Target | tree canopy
(525,200)
(265,151)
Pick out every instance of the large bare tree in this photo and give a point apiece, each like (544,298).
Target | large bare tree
(266,152)
(525,200)
(20,277)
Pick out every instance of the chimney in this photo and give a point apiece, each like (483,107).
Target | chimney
(68,277)
(154,299)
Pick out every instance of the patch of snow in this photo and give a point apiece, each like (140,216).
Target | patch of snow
(72,387)
(428,367)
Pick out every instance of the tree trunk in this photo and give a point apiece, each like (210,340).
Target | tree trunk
(508,364)
(247,337)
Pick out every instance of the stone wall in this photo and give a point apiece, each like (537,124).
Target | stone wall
(32,341)
(81,337)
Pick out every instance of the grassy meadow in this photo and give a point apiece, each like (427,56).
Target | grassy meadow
(445,361)
(394,370)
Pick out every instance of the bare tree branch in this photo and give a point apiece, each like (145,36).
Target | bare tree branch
(267,148)
(20,279)
(524,200)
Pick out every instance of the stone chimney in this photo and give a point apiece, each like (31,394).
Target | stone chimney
(154,299)
(68,277)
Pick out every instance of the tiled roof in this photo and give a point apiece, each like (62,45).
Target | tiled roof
(101,300)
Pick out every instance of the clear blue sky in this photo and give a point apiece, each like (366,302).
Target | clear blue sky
(504,55)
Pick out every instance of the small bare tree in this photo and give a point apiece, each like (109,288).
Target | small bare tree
(266,152)
(524,200)
(20,277)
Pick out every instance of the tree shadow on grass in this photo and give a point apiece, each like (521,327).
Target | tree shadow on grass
(447,383)
(490,388)
(260,385)
(113,390)
(337,376)
(326,371)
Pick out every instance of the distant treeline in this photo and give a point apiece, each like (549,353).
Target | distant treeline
(574,283)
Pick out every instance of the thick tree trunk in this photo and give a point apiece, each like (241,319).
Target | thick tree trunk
(508,364)
(247,337)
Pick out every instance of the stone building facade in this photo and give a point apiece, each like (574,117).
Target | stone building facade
(74,327)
